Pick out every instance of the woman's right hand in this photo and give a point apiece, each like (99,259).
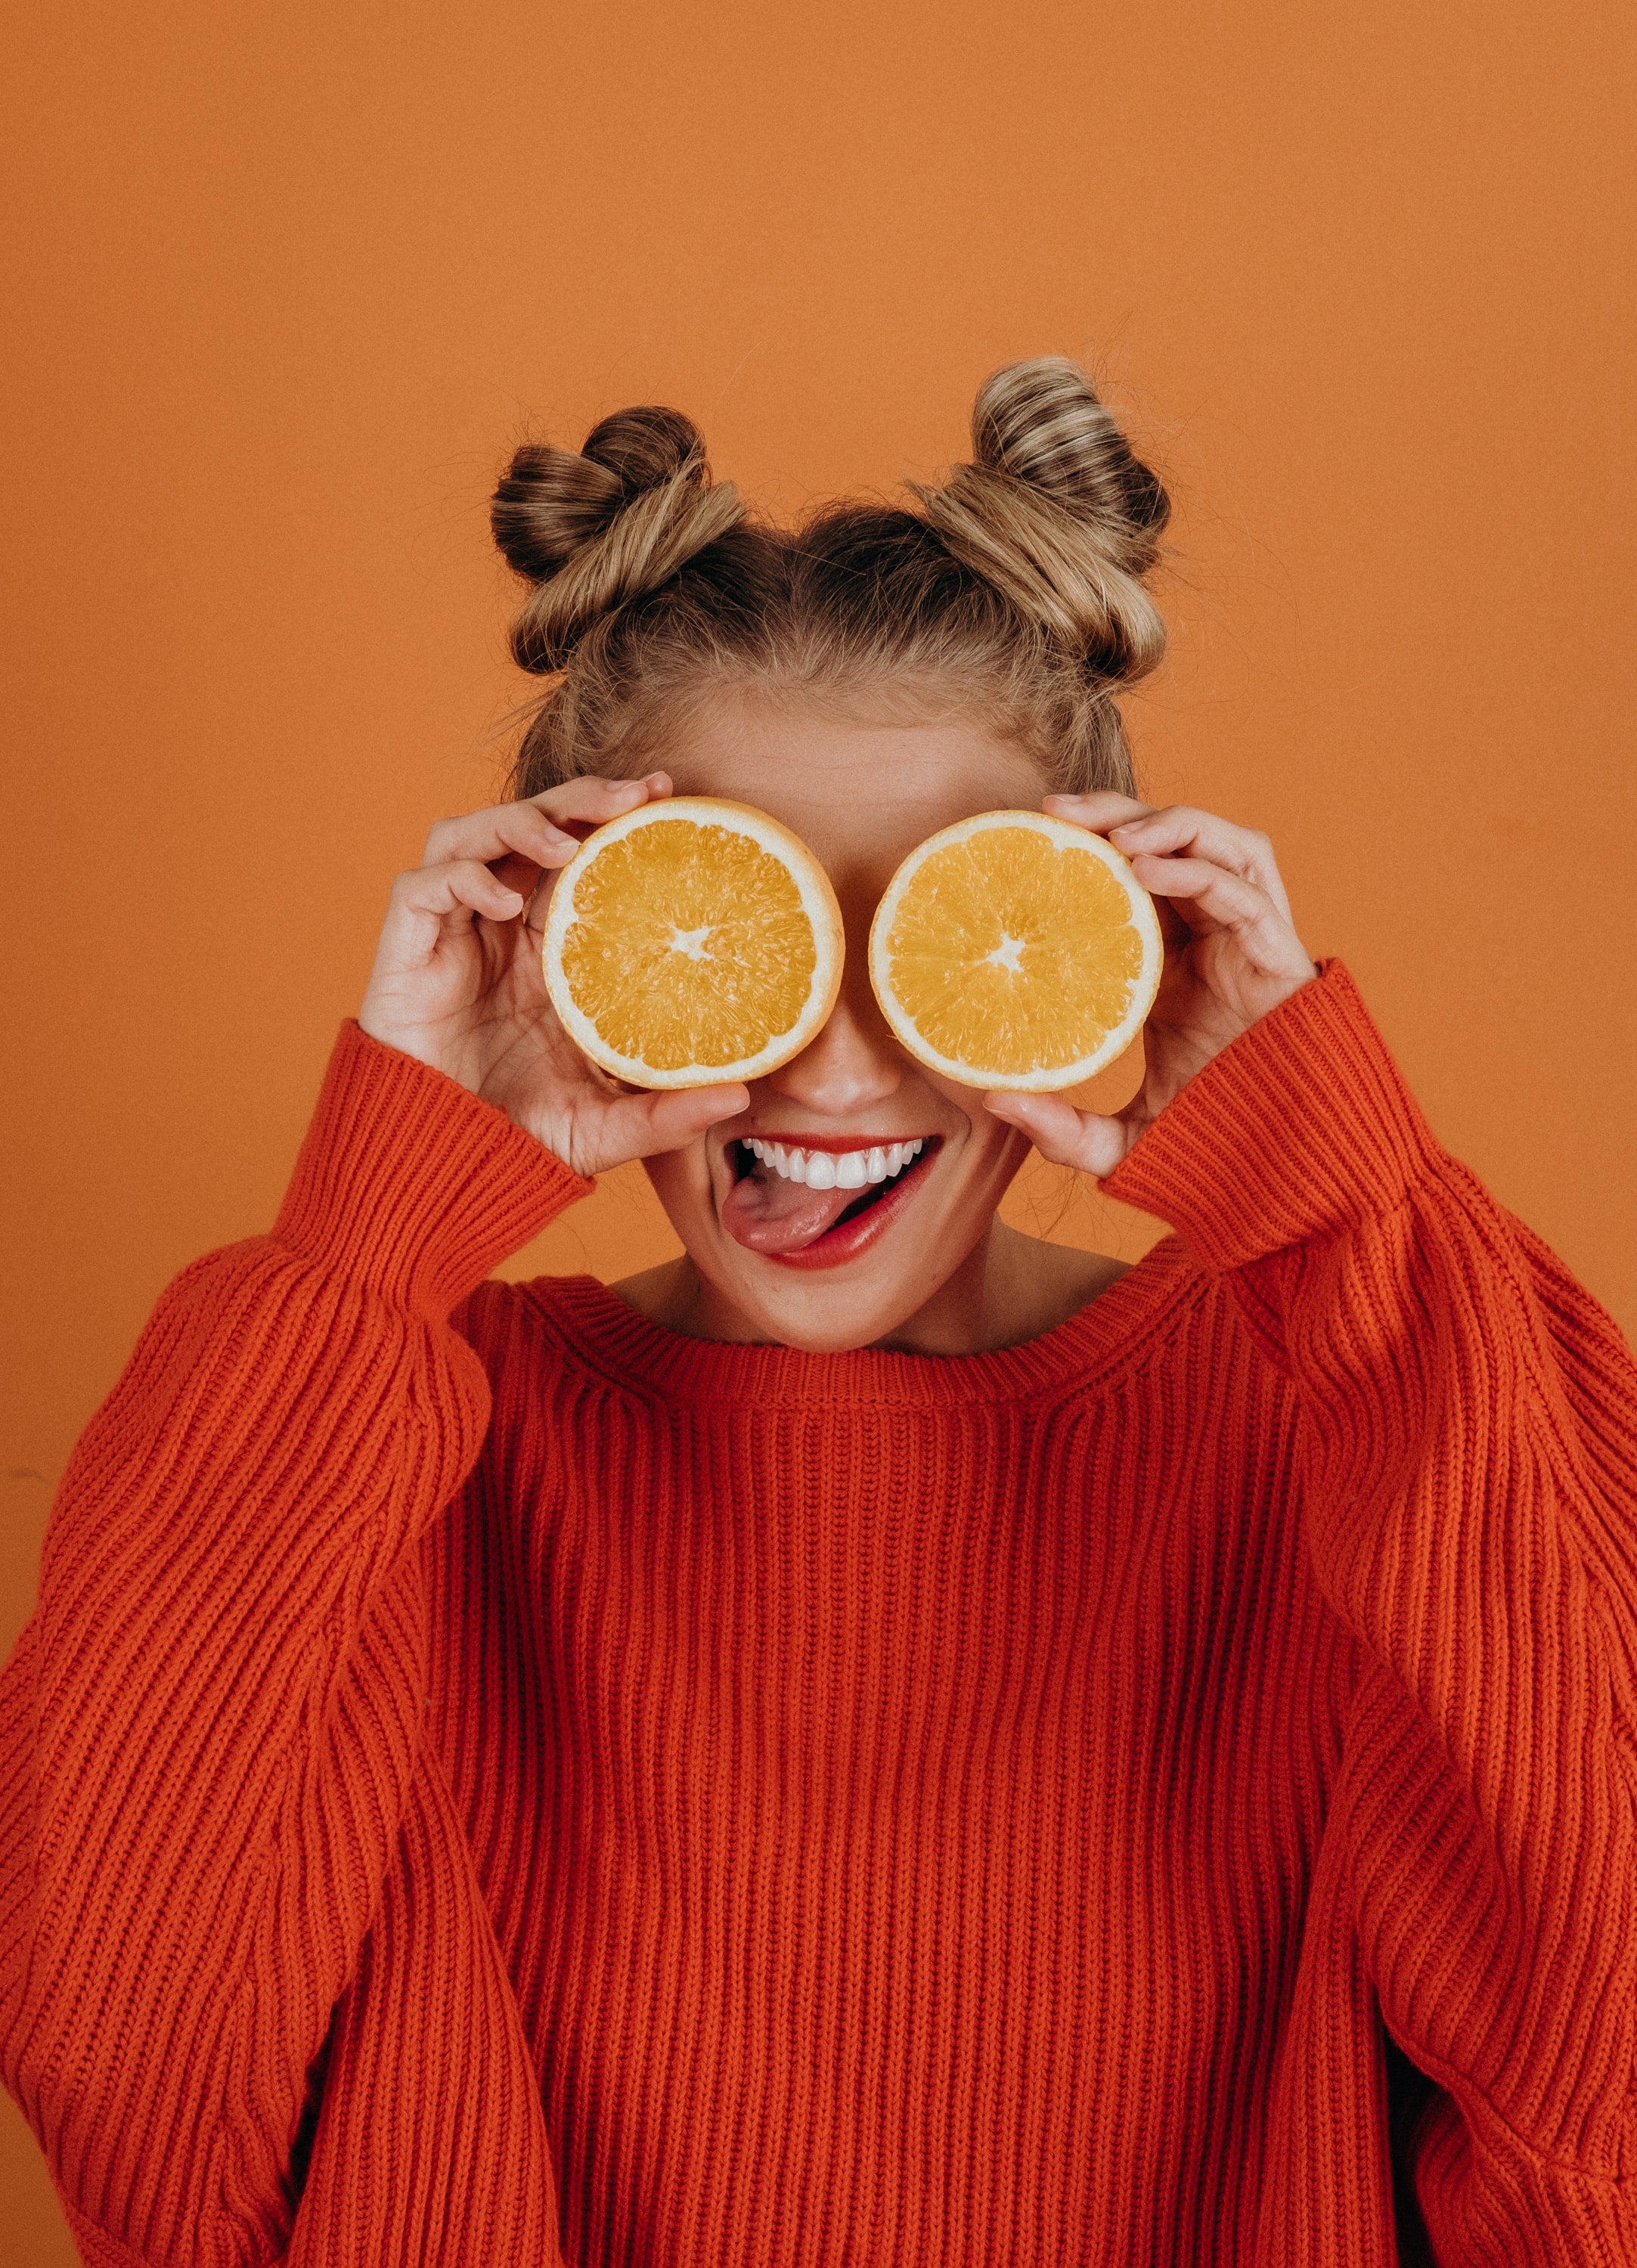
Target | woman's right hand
(458,981)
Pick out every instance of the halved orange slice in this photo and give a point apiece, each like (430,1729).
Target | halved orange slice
(1014,950)
(692,940)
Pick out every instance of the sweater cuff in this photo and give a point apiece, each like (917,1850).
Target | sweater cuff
(409,1183)
(1300,1128)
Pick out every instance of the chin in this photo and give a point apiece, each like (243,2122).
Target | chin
(829,1242)
(844,1310)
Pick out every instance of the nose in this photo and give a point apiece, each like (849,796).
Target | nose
(852,1064)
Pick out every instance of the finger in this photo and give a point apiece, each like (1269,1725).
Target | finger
(647,1125)
(1209,896)
(504,830)
(1180,829)
(1064,1136)
(1099,812)
(590,800)
(428,899)
(532,827)
(456,885)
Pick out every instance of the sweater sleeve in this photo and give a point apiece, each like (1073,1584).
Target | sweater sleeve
(1467,1423)
(207,1727)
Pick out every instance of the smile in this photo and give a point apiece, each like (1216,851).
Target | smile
(844,1169)
(821,1200)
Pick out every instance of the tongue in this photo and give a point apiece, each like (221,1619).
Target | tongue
(769,1214)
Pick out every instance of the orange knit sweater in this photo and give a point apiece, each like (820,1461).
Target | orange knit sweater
(490,1781)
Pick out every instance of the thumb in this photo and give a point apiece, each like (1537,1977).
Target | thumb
(678,1115)
(1066,1136)
(647,1124)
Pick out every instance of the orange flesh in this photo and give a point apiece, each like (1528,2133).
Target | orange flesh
(689,945)
(1010,953)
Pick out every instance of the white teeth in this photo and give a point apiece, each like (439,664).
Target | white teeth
(843,1169)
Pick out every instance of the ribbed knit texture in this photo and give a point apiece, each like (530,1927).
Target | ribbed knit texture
(490,1781)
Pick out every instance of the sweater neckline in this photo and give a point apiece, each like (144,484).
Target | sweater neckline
(1099,1341)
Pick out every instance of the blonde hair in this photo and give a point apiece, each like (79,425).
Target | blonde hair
(1015,591)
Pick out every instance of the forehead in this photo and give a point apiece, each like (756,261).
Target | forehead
(860,791)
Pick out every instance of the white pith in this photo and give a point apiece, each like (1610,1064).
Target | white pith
(836,1169)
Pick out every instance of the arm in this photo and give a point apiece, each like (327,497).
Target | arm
(207,1727)
(207,1730)
(1469,1467)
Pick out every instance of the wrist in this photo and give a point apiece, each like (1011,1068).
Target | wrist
(1295,1132)
(422,1042)
(411,1184)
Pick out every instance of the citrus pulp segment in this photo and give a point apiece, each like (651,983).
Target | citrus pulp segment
(690,941)
(1014,950)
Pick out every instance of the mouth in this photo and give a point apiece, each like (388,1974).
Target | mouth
(817,1201)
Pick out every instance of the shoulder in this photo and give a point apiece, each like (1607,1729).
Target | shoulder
(525,1323)
(1163,1333)
(1189,1342)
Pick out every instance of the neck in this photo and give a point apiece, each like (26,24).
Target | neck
(1009,1288)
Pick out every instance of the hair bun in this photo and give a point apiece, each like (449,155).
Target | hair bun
(594,529)
(1059,514)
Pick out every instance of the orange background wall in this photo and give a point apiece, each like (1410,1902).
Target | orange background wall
(286,282)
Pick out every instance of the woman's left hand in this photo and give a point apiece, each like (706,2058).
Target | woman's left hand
(1231,954)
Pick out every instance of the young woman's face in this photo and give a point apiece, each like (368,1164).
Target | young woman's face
(818,1268)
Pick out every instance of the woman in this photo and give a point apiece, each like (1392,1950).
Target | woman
(882,1740)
